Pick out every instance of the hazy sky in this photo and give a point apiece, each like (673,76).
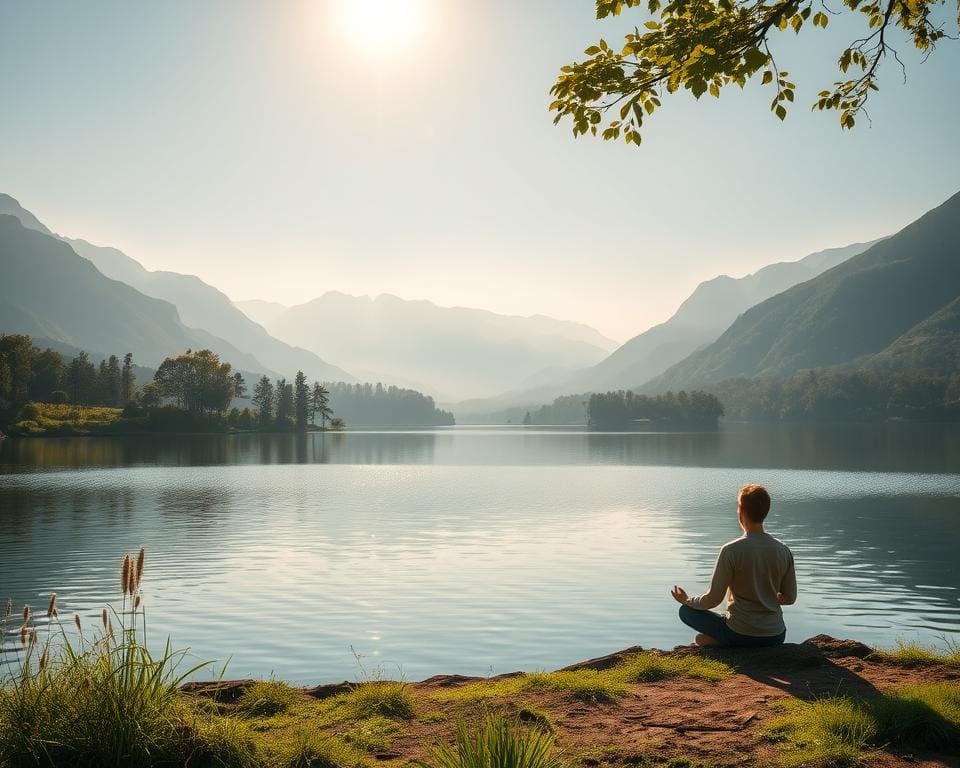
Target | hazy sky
(264,147)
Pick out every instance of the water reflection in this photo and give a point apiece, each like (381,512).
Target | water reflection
(880,447)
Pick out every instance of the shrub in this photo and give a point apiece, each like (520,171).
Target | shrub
(58,397)
(30,412)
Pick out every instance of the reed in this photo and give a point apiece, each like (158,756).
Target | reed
(99,700)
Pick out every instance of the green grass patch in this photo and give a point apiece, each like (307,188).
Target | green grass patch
(380,698)
(373,734)
(310,750)
(650,667)
(590,685)
(536,718)
(912,653)
(266,698)
(222,741)
(595,686)
(837,731)
(39,418)
(497,742)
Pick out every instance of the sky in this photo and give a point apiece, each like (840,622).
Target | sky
(280,150)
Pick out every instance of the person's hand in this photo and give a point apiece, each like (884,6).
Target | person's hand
(781,598)
(679,594)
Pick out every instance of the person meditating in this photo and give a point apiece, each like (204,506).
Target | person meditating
(756,575)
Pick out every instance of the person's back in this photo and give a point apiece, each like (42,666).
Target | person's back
(756,575)
(758,566)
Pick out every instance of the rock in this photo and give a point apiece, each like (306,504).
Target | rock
(221,690)
(331,689)
(839,649)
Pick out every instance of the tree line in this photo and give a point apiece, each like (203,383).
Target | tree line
(294,404)
(28,373)
(386,406)
(624,409)
(843,395)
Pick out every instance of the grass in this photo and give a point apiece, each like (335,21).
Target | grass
(266,698)
(596,686)
(36,418)
(380,698)
(912,653)
(497,742)
(62,689)
(374,734)
(536,718)
(311,750)
(837,731)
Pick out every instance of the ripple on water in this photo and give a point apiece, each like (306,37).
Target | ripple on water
(466,568)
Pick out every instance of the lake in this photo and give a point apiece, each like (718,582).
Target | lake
(476,550)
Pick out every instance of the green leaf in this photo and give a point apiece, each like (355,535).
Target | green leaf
(767,77)
(780,111)
(754,58)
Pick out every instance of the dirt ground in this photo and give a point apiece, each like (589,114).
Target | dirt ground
(707,723)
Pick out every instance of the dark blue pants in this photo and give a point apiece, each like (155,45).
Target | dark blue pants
(709,623)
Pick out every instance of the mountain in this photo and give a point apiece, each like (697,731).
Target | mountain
(263,312)
(703,316)
(893,304)
(699,320)
(48,290)
(200,306)
(450,352)
(12,207)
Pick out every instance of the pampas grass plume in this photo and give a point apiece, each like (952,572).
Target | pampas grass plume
(139,573)
(125,574)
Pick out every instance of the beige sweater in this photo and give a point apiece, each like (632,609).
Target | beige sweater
(750,571)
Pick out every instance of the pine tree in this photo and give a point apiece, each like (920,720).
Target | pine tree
(263,400)
(284,396)
(301,398)
(128,381)
(320,400)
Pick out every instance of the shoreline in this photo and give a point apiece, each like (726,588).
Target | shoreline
(691,707)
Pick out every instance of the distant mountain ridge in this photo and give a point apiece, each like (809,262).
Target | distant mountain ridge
(700,319)
(895,304)
(450,352)
(48,290)
(207,311)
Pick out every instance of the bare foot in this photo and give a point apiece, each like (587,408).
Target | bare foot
(704,640)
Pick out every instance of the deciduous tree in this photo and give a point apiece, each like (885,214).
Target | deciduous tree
(702,46)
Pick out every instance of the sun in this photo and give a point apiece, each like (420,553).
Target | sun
(380,26)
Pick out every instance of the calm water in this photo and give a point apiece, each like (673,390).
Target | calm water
(471,550)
